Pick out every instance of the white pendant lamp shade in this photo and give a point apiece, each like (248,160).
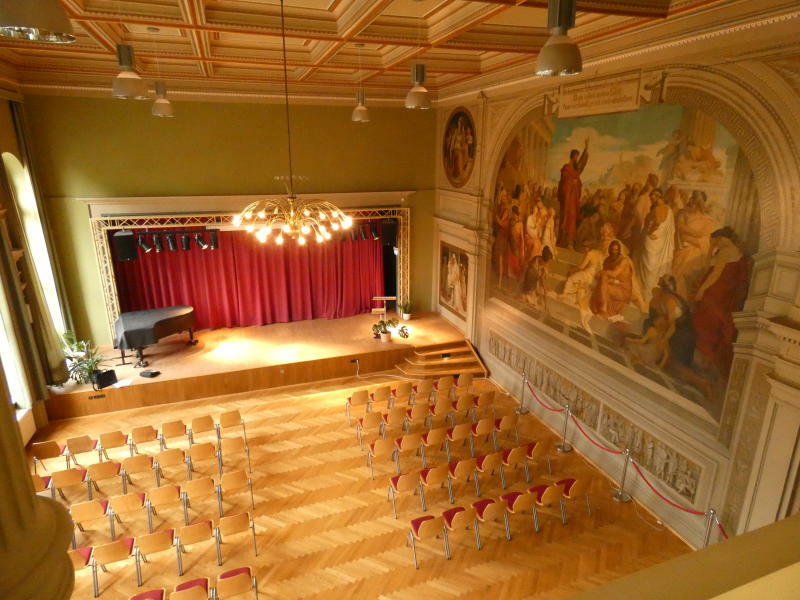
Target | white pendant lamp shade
(162,107)
(418,96)
(560,55)
(360,112)
(128,84)
(36,21)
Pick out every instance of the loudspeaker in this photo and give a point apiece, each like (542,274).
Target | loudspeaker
(149,373)
(125,245)
(103,379)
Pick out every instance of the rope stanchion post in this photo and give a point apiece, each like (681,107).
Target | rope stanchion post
(711,518)
(619,494)
(522,409)
(565,446)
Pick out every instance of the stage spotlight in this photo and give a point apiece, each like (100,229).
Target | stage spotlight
(185,241)
(144,245)
(200,241)
(171,242)
(214,240)
(157,241)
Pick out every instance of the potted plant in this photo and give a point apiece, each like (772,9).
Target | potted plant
(381,329)
(83,361)
(405,310)
(403,332)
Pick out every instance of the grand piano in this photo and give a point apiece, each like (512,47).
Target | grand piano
(138,329)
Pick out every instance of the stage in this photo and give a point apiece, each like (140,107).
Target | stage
(227,361)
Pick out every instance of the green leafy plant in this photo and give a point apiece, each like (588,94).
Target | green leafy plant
(403,332)
(384,326)
(405,308)
(82,359)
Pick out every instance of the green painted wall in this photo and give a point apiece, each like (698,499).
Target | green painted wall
(86,147)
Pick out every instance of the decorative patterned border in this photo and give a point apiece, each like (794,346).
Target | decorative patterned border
(102,225)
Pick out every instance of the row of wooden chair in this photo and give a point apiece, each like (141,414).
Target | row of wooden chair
(139,435)
(230,484)
(228,584)
(492,509)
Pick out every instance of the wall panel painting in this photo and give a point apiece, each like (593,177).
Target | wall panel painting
(453,279)
(632,234)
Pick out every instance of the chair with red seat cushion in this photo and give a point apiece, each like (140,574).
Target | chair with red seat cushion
(380,448)
(512,457)
(41,483)
(68,478)
(407,482)
(463,382)
(433,437)
(484,428)
(445,382)
(519,502)
(410,441)
(418,413)
(106,554)
(158,594)
(195,589)
(368,421)
(536,450)
(235,582)
(43,451)
(489,509)
(506,423)
(395,418)
(422,390)
(151,543)
(424,528)
(91,510)
(456,518)
(80,557)
(192,534)
(432,476)
(459,432)
(463,470)
(359,398)
(490,462)
(574,489)
(81,445)
(545,496)
(441,407)
(403,389)
(462,405)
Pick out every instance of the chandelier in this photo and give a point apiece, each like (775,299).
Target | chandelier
(289,216)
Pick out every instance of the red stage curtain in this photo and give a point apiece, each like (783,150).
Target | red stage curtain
(244,282)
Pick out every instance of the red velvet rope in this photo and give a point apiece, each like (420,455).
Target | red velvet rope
(660,495)
(721,529)
(543,405)
(586,435)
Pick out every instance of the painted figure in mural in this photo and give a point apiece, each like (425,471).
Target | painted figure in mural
(694,226)
(580,281)
(549,231)
(652,348)
(614,283)
(516,246)
(655,256)
(670,153)
(452,283)
(721,293)
(534,226)
(502,233)
(569,194)
(534,285)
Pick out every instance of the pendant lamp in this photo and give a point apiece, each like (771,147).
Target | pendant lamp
(560,55)
(360,112)
(35,21)
(162,107)
(418,96)
(128,84)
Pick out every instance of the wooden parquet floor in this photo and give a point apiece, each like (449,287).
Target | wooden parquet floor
(325,529)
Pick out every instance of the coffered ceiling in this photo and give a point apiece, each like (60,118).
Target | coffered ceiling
(233,47)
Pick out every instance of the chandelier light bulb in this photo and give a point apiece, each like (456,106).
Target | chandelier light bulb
(262,215)
(301,240)
(305,230)
(279,240)
(327,235)
(335,226)
(237,220)
(319,239)
(306,212)
(250,228)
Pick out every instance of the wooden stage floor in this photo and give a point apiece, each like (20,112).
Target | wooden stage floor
(325,529)
(249,358)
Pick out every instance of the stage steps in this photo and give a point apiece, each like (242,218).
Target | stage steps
(431,363)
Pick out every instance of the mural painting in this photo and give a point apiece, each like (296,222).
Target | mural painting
(458,147)
(632,234)
(453,279)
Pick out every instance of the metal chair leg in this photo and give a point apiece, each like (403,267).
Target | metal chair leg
(527,471)
(422,498)
(218,544)
(536,527)
(138,561)
(508,526)
(149,517)
(563,509)
(413,549)
(477,485)
(478,544)
(394,505)
(179,559)
(588,505)
(185,500)
(450,490)
(502,477)
(95,583)
(253,529)
(447,554)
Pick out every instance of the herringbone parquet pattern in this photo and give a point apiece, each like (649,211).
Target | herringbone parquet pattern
(326,530)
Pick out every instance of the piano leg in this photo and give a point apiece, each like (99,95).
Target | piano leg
(140,355)
(192,341)
(122,358)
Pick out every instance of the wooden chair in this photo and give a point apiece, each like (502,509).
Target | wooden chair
(462,470)
(143,435)
(155,594)
(462,406)
(193,490)
(171,430)
(231,447)
(202,452)
(69,478)
(457,433)
(80,558)
(141,463)
(235,482)
(395,418)
(195,589)
(546,496)
(43,451)
(434,438)
(537,450)
(432,476)
(518,503)
(403,389)
(463,382)
(110,440)
(444,382)
(359,398)
(147,545)
(423,528)
(410,441)
(107,554)
(122,505)
(381,394)
(417,414)
(193,534)
(513,457)
(483,402)
(160,497)
(489,509)
(170,458)
(380,448)
(92,510)
(199,425)
(40,483)
(368,421)
(81,445)
(491,463)
(485,429)
(233,524)
(235,582)
(506,423)
(440,408)
(574,490)
(408,482)
(100,472)
(422,389)
(458,517)
(229,419)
